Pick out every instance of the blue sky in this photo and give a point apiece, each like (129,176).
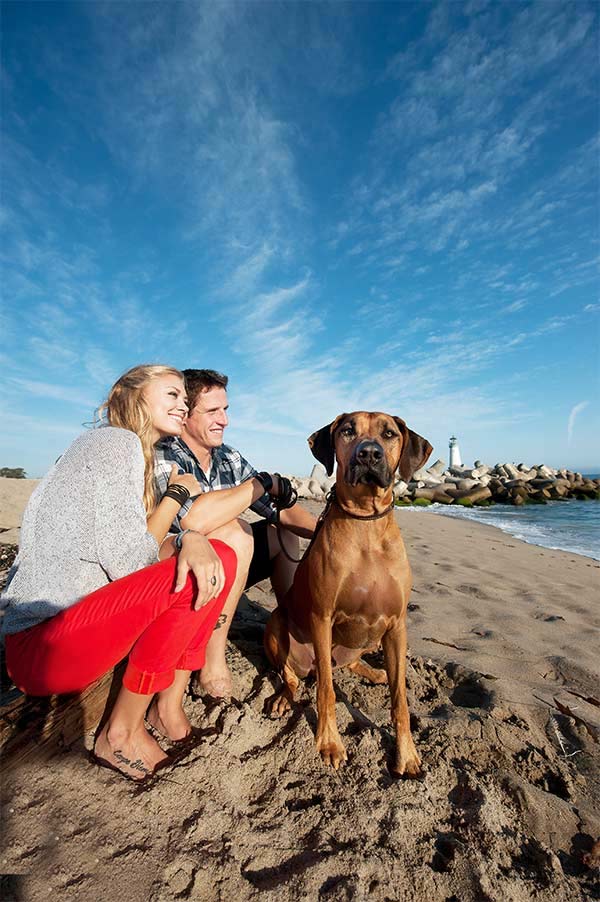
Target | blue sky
(341,205)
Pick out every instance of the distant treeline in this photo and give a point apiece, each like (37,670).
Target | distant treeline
(13,472)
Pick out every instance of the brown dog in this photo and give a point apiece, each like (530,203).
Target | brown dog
(351,590)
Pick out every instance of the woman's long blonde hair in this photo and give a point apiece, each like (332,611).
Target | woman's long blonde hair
(125,407)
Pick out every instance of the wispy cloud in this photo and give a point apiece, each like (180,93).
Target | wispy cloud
(55,392)
(575,411)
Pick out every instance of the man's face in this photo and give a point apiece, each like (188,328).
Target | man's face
(208,418)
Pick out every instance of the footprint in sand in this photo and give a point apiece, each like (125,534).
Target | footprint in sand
(475,591)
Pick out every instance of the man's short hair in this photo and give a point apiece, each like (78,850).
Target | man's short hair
(198,381)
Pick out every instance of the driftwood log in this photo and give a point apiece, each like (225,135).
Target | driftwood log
(33,727)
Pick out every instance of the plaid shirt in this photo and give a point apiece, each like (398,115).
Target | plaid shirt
(228,469)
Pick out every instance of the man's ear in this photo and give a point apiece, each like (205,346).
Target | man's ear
(321,444)
(415,451)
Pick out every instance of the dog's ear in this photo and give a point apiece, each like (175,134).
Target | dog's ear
(415,451)
(321,444)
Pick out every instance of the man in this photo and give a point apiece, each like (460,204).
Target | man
(217,467)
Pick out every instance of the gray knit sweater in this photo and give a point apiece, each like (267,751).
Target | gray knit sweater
(84,526)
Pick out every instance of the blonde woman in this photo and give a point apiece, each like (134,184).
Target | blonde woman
(88,589)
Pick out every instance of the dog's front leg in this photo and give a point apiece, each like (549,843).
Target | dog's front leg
(277,646)
(329,743)
(407,762)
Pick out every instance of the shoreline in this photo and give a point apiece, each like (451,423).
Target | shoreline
(480,515)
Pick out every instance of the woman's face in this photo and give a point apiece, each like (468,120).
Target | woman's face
(167,403)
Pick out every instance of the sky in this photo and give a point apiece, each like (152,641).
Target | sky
(342,206)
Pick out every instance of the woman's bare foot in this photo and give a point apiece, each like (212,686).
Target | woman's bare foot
(169,721)
(135,753)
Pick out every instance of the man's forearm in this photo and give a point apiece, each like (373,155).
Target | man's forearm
(214,509)
(299,521)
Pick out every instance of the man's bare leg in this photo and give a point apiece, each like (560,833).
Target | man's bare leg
(215,678)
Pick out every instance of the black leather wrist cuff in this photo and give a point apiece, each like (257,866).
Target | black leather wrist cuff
(178,493)
(288,495)
(265,479)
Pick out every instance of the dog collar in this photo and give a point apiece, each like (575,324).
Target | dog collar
(332,499)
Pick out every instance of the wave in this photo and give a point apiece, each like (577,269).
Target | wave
(559,525)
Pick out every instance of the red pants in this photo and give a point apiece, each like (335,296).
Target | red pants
(139,615)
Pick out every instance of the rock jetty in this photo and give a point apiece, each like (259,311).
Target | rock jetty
(476,486)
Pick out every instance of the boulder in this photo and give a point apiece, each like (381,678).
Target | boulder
(512,483)
(302,488)
(518,492)
(475,495)
(556,491)
(314,488)
(454,480)
(545,472)
(400,489)
(459,471)
(426,479)
(440,496)
(466,484)
(437,468)
(424,492)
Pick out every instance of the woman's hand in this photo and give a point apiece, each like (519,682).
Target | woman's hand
(198,555)
(187,480)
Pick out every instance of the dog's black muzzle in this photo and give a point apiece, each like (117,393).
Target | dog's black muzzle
(368,465)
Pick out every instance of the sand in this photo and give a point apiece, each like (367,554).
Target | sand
(14,495)
(508,808)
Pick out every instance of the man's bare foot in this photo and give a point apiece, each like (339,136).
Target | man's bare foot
(168,721)
(135,754)
(217,685)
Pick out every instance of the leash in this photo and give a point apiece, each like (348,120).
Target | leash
(283,503)
(287,498)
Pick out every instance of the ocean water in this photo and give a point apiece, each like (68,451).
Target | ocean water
(564,525)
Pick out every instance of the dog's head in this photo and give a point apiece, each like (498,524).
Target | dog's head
(369,448)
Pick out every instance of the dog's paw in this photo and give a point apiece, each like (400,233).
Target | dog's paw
(279,705)
(409,768)
(332,752)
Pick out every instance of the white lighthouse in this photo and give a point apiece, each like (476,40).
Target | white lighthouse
(455,460)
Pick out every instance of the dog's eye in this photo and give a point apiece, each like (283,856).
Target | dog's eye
(347,431)
(389,433)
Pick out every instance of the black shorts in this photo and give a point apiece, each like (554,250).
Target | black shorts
(261,565)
